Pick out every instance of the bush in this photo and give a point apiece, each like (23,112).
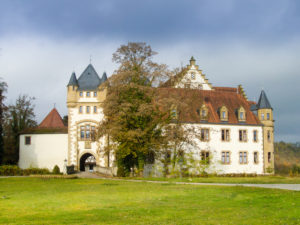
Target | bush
(56,170)
(13,170)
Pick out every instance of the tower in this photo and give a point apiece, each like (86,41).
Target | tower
(265,115)
(85,96)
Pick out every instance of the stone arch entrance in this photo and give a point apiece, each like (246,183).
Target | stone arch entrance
(87,162)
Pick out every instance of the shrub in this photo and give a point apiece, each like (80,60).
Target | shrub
(56,170)
(13,170)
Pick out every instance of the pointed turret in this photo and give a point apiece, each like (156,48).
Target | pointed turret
(104,77)
(265,115)
(263,102)
(52,120)
(89,79)
(73,80)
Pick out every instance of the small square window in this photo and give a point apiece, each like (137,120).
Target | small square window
(28,140)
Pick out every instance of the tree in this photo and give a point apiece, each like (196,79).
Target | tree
(20,116)
(3,87)
(132,121)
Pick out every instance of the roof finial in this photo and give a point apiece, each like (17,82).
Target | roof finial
(90,59)
(192,61)
(54,105)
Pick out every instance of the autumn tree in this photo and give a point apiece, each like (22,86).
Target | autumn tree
(3,87)
(19,117)
(132,122)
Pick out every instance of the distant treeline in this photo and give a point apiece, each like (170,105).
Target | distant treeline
(287,158)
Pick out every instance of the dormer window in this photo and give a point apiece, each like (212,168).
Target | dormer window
(173,113)
(241,114)
(203,112)
(223,113)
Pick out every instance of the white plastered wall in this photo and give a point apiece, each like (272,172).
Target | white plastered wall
(45,151)
(215,146)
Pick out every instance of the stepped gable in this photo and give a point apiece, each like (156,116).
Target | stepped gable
(52,120)
(192,100)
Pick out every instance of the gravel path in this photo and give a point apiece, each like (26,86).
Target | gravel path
(292,187)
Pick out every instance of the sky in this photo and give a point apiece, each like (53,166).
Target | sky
(255,43)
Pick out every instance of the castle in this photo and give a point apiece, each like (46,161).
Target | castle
(236,134)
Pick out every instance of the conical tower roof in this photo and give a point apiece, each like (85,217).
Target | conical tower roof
(52,120)
(73,80)
(89,79)
(263,102)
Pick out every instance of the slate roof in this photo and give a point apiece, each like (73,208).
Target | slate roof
(52,120)
(263,102)
(191,101)
(89,79)
(73,80)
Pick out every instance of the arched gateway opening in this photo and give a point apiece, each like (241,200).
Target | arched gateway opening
(87,162)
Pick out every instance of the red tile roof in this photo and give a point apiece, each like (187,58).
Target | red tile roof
(191,100)
(52,120)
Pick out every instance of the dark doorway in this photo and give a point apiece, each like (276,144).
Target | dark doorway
(87,162)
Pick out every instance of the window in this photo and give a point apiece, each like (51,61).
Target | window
(269,157)
(193,76)
(243,135)
(88,132)
(255,157)
(262,116)
(80,109)
(95,109)
(225,159)
(269,135)
(187,85)
(255,136)
(243,158)
(95,93)
(82,132)
(268,116)
(241,114)
(27,140)
(80,94)
(87,109)
(225,135)
(204,134)
(204,112)
(223,113)
(205,157)
(88,94)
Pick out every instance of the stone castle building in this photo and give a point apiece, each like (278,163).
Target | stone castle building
(236,134)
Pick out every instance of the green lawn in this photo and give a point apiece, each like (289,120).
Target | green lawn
(91,201)
(231,180)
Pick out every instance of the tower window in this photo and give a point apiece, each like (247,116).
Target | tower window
(80,94)
(95,93)
(88,94)
(255,157)
(268,116)
(87,109)
(88,132)
(80,109)
(95,109)
(262,116)
(269,157)
(269,135)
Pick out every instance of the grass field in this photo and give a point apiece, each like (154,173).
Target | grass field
(91,201)
(231,180)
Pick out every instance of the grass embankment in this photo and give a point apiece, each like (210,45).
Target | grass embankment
(92,201)
(230,180)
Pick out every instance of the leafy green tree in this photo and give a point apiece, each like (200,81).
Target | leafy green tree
(20,116)
(132,120)
(3,87)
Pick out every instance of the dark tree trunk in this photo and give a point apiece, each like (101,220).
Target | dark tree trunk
(1,129)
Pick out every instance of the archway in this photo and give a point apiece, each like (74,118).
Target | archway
(87,162)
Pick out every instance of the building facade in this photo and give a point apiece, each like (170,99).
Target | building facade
(236,134)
